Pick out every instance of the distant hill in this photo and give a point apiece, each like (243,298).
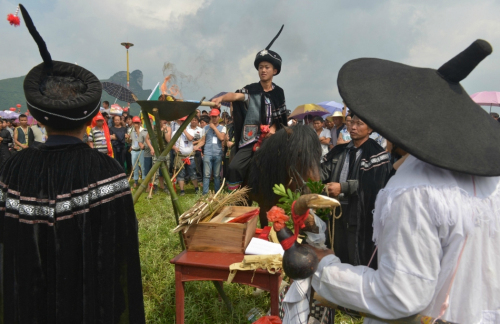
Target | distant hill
(11,91)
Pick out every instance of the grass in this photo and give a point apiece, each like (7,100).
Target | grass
(158,245)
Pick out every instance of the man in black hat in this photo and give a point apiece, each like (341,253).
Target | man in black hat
(259,110)
(436,222)
(68,232)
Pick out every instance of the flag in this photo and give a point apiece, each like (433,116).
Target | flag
(155,94)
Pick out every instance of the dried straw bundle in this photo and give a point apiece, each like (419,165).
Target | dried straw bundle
(211,205)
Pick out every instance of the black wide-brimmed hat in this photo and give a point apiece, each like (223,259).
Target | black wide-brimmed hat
(266,55)
(59,114)
(425,111)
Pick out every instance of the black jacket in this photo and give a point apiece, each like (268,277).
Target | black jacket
(368,175)
(278,109)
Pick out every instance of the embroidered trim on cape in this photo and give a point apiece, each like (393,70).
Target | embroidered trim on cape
(32,210)
(446,206)
(374,161)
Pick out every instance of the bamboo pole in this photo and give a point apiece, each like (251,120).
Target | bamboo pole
(176,172)
(132,173)
(150,195)
(160,164)
(158,129)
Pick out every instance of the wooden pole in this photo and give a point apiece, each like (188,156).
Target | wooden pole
(158,129)
(132,173)
(160,164)
(150,195)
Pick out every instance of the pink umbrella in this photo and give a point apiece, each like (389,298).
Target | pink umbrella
(487,98)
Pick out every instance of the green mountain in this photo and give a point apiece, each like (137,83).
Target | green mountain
(11,91)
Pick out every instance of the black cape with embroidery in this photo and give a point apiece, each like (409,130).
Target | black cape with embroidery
(371,171)
(278,110)
(68,234)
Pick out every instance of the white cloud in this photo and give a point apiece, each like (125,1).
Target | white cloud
(215,41)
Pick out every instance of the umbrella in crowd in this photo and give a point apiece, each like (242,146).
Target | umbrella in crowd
(331,106)
(308,109)
(487,98)
(7,114)
(225,103)
(116,109)
(119,92)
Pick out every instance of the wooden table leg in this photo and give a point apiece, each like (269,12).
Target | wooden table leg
(275,294)
(220,289)
(179,295)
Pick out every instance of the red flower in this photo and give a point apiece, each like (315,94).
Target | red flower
(278,217)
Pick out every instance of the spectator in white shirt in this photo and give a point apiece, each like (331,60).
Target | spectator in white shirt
(324,134)
(183,149)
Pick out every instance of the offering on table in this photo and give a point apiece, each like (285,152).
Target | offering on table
(215,224)
(299,261)
(209,206)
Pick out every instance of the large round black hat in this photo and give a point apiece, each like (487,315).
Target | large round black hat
(266,55)
(59,114)
(425,111)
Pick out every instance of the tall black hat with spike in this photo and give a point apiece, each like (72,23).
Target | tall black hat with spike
(266,55)
(59,114)
(425,111)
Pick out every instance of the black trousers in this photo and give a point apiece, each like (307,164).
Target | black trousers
(128,159)
(238,168)
(345,245)
(172,158)
(198,160)
(119,153)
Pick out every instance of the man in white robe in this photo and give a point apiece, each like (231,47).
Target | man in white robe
(421,221)
(436,222)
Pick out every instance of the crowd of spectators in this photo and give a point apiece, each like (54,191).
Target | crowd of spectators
(17,135)
(206,143)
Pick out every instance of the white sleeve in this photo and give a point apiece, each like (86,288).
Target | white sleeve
(408,266)
(176,142)
(327,133)
(223,130)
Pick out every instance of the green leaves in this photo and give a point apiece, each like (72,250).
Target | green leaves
(287,197)
(316,187)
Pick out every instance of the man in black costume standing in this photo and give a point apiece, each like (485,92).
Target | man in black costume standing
(5,141)
(259,110)
(354,173)
(68,232)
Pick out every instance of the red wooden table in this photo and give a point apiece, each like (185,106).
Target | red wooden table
(214,266)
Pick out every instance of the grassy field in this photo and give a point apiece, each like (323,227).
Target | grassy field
(158,245)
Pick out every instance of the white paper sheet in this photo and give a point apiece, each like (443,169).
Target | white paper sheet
(261,247)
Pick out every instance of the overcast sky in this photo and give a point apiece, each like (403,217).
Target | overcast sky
(213,43)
